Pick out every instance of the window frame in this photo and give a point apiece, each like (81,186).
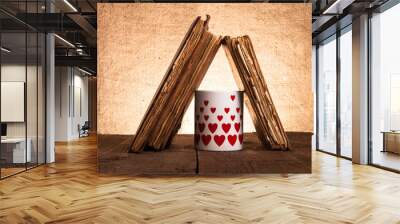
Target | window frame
(334,37)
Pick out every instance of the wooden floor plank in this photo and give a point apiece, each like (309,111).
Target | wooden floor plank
(71,191)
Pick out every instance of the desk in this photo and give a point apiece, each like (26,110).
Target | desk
(391,141)
(13,150)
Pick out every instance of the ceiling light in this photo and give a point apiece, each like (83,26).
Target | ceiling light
(5,50)
(70,5)
(65,41)
(84,71)
(337,7)
(80,51)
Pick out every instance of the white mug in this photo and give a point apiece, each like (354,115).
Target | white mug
(218,119)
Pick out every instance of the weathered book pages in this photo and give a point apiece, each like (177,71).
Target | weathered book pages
(184,75)
(163,117)
(248,75)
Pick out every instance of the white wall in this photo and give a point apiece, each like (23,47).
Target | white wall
(71,102)
(16,72)
(62,82)
(80,104)
(33,127)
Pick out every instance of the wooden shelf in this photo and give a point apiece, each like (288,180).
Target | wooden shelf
(181,157)
(254,158)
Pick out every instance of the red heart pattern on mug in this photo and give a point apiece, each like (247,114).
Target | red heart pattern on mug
(219,139)
(212,127)
(237,126)
(232,139)
(213,121)
(201,126)
(206,139)
(226,127)
(241,139)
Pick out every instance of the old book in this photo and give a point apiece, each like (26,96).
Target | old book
(184,75)
(163,117)
(248,75)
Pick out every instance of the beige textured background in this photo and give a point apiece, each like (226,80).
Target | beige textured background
(136,43)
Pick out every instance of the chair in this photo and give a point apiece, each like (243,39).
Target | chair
(84,130)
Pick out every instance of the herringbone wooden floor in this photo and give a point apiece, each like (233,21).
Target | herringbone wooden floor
(70,191)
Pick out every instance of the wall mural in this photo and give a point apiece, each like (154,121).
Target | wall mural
(141,108)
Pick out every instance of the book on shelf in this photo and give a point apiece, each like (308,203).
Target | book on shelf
(184,75)
(248,75)
(197,50)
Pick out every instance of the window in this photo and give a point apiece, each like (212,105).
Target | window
(327,96)
(22,77)
(385,89)
(346,92)
(335,74)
